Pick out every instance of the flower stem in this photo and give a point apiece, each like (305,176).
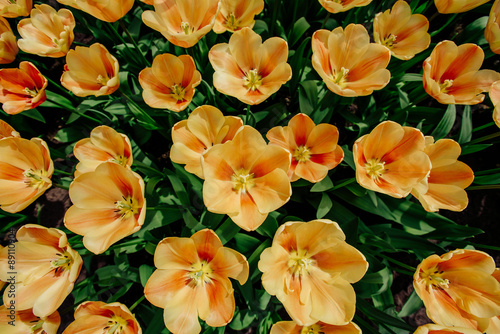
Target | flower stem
(481,139)
(485,187)
(115,32)
(58,185)
(131,308)
(58,171)
(401,264)
(148,64)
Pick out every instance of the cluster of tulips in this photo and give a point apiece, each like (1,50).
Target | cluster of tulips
(310,267)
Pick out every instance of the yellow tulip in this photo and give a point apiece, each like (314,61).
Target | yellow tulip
(237,14)
(25,172)
(313,147)
(15,8)
(310,269)
(104,10)
(290,327)
(246,178)
(457,6)
(348,63)
(170,82)
(26,322)
(46,270)
(248,69)
(452,75)
(336,6)
(458,288)
(204,128)
(90,71)
(47,33)
(7,131)
(192,280)
(492,30)
(495,99)
(108,205)
(8,45)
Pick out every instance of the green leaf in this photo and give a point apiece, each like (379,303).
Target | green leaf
(323,185)
(382,317)
(145,271)
(446,123)
(268,227)
(487,179)
(68,135)
(242,319)
(324,206)
(466,127)
(299,28)
(227,231)
(308,96)
(474,148)
(412,305)
(35,114)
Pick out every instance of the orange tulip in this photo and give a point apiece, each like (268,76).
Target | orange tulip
(15,8)
(25,171)
(457,6)
(492,30)
(336,6)
(400,31)
(444,187)
(237,14)
(90,71)
(452,75)
(8,45)
(46,270)
(104,144)
(438,329)
(246,178)
(290,327)
(192,280)
(495,99)
(313,147)
(348,63)
(7,131)
(26,322)
(47,33)
(149,2)
(494,326)
(310,268)
(170,82)
(204,128)
(104,10)
(391,159)
(458,288)
(21,89)
(108,205)
(99,317)
(182,22)
(248,69)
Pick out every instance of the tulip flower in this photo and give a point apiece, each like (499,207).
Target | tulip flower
(313,147)
(458,288)
(494,326)
(170,82)
(452,75)
(21,89)
(400,31)
(26,322)
(492,30)
(90,71)
(99,317)
(149,2)
(108,205)
(444,187)
(7,131)
(182,22)
(46,269)
(495,99)
(25,172)
(438,329)
(104,144)
(104,10)
(457,6)
(246,178)
(47,33)
(237,14)
(192,280)
(204,128)
(248,69)
(391,159)
(310,268)
(290,327)
(348,63)
(15,8)
(8,45)
(335,6)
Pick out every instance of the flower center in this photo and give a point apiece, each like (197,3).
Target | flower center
(200,273)
(445,85)
(302,154)
(242,180)
(375,168)
(63,263)
(36,178)
(300,263)
(313,329)
(127,208)
(186,28)
(433,278)
(178,92)
(31,92)
(116,325)
(102,80)
(120,160)
(37,328)
(232,22)
(340,77)
(253,80)
(389,41)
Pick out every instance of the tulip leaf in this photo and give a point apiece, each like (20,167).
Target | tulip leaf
(299,28)
(324,206)
(227,231)
(35,114)
(242,319)
(487,179)
(145,271)
(323,185)
(268,227)
(469,149)
(466,127)
(308,96)
(412,305)
(382,317)
(446,123)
